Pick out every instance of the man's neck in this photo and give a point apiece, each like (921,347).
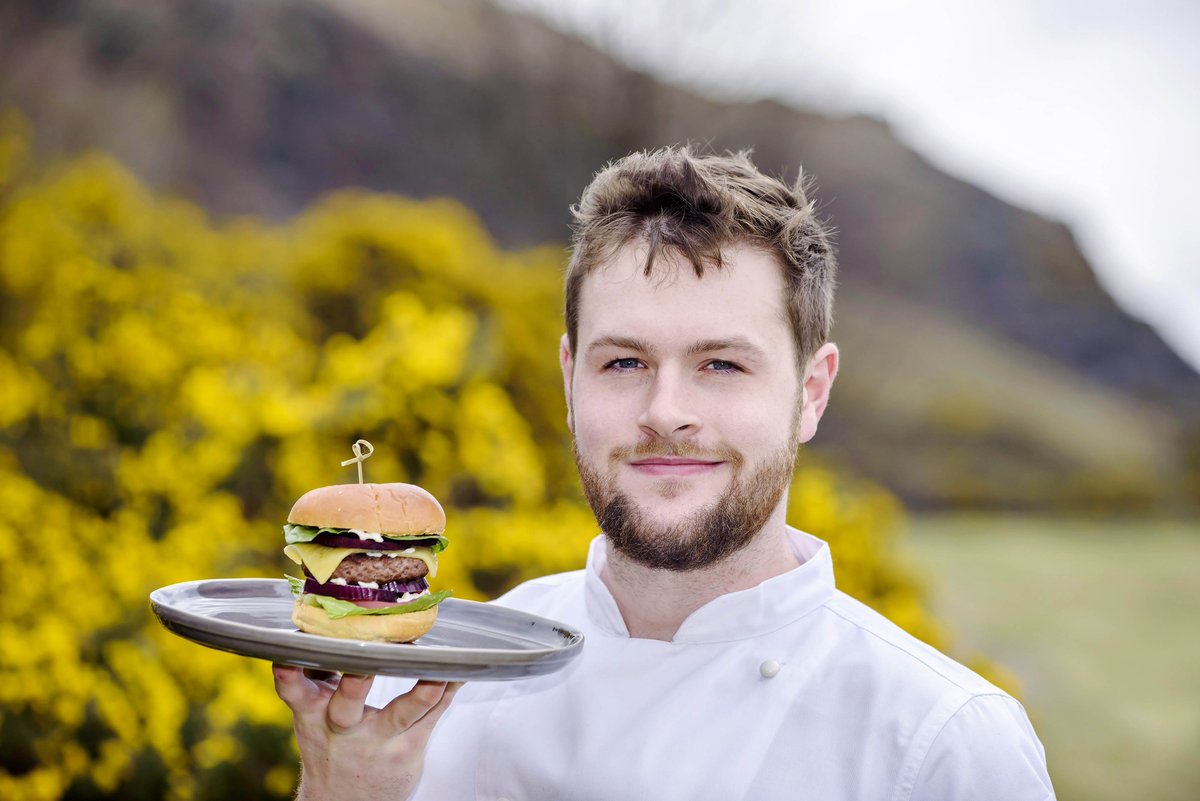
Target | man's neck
(655,602)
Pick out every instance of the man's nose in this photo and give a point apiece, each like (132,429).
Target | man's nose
(669,409)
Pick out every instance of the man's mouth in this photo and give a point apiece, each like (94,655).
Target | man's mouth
(674,466)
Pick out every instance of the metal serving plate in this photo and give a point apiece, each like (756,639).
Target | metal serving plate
(470,642)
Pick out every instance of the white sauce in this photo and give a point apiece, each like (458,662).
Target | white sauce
(366,535)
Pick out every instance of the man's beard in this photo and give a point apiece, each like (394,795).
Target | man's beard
(707,535)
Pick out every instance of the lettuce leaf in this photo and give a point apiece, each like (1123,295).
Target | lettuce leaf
(293,533)
(336,608)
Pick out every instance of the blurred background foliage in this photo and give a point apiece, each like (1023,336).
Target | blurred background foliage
(985,366)
(171,384)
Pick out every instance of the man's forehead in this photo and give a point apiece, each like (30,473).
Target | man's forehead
(736,343)
(669,266)
(739,301)
(665,264)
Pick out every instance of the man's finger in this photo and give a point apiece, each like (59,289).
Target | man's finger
(290,685)
(347,703)
(405,710)
(424,727)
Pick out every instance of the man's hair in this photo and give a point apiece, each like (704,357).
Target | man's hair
(692,206)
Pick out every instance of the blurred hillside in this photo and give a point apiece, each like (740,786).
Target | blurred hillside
(983,364)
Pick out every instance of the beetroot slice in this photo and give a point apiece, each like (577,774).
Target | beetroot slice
(351,541)
(390,591)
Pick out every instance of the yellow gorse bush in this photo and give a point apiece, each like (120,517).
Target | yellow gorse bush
(169,386)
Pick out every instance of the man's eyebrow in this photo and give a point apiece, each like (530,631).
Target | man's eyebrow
(732,343)
(622,343)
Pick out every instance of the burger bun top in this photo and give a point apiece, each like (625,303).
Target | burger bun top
(379,508)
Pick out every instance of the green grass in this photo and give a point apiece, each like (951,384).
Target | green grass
(1100,621)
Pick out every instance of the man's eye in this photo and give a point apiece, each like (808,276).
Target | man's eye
(722,366)
(624,364)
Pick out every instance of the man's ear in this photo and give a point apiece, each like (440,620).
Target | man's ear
(567,364)
(818,381)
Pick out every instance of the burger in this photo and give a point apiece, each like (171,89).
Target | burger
(366,551)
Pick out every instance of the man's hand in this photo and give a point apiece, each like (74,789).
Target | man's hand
(350,750)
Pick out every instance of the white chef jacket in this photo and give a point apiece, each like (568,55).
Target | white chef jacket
(857,708)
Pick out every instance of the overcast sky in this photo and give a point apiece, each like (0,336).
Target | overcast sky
(1087,111)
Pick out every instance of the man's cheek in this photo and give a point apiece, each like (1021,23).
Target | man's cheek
(595,424)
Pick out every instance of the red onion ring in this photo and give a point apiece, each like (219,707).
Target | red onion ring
(388,592)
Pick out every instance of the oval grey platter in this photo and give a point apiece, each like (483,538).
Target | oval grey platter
(470,641)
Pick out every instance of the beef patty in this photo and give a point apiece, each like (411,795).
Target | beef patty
(360,567)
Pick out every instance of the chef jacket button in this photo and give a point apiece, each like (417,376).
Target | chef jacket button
(769,669)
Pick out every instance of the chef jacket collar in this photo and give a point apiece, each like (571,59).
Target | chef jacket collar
(737,615)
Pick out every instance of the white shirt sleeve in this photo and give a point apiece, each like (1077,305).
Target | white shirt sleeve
(987,751)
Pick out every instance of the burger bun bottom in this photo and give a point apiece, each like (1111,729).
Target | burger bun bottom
(404,627)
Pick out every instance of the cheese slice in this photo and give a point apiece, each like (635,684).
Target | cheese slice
(322,561)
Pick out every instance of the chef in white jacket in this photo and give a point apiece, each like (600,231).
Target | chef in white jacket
(720,661)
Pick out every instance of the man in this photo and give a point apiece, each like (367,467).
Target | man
(720,661)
